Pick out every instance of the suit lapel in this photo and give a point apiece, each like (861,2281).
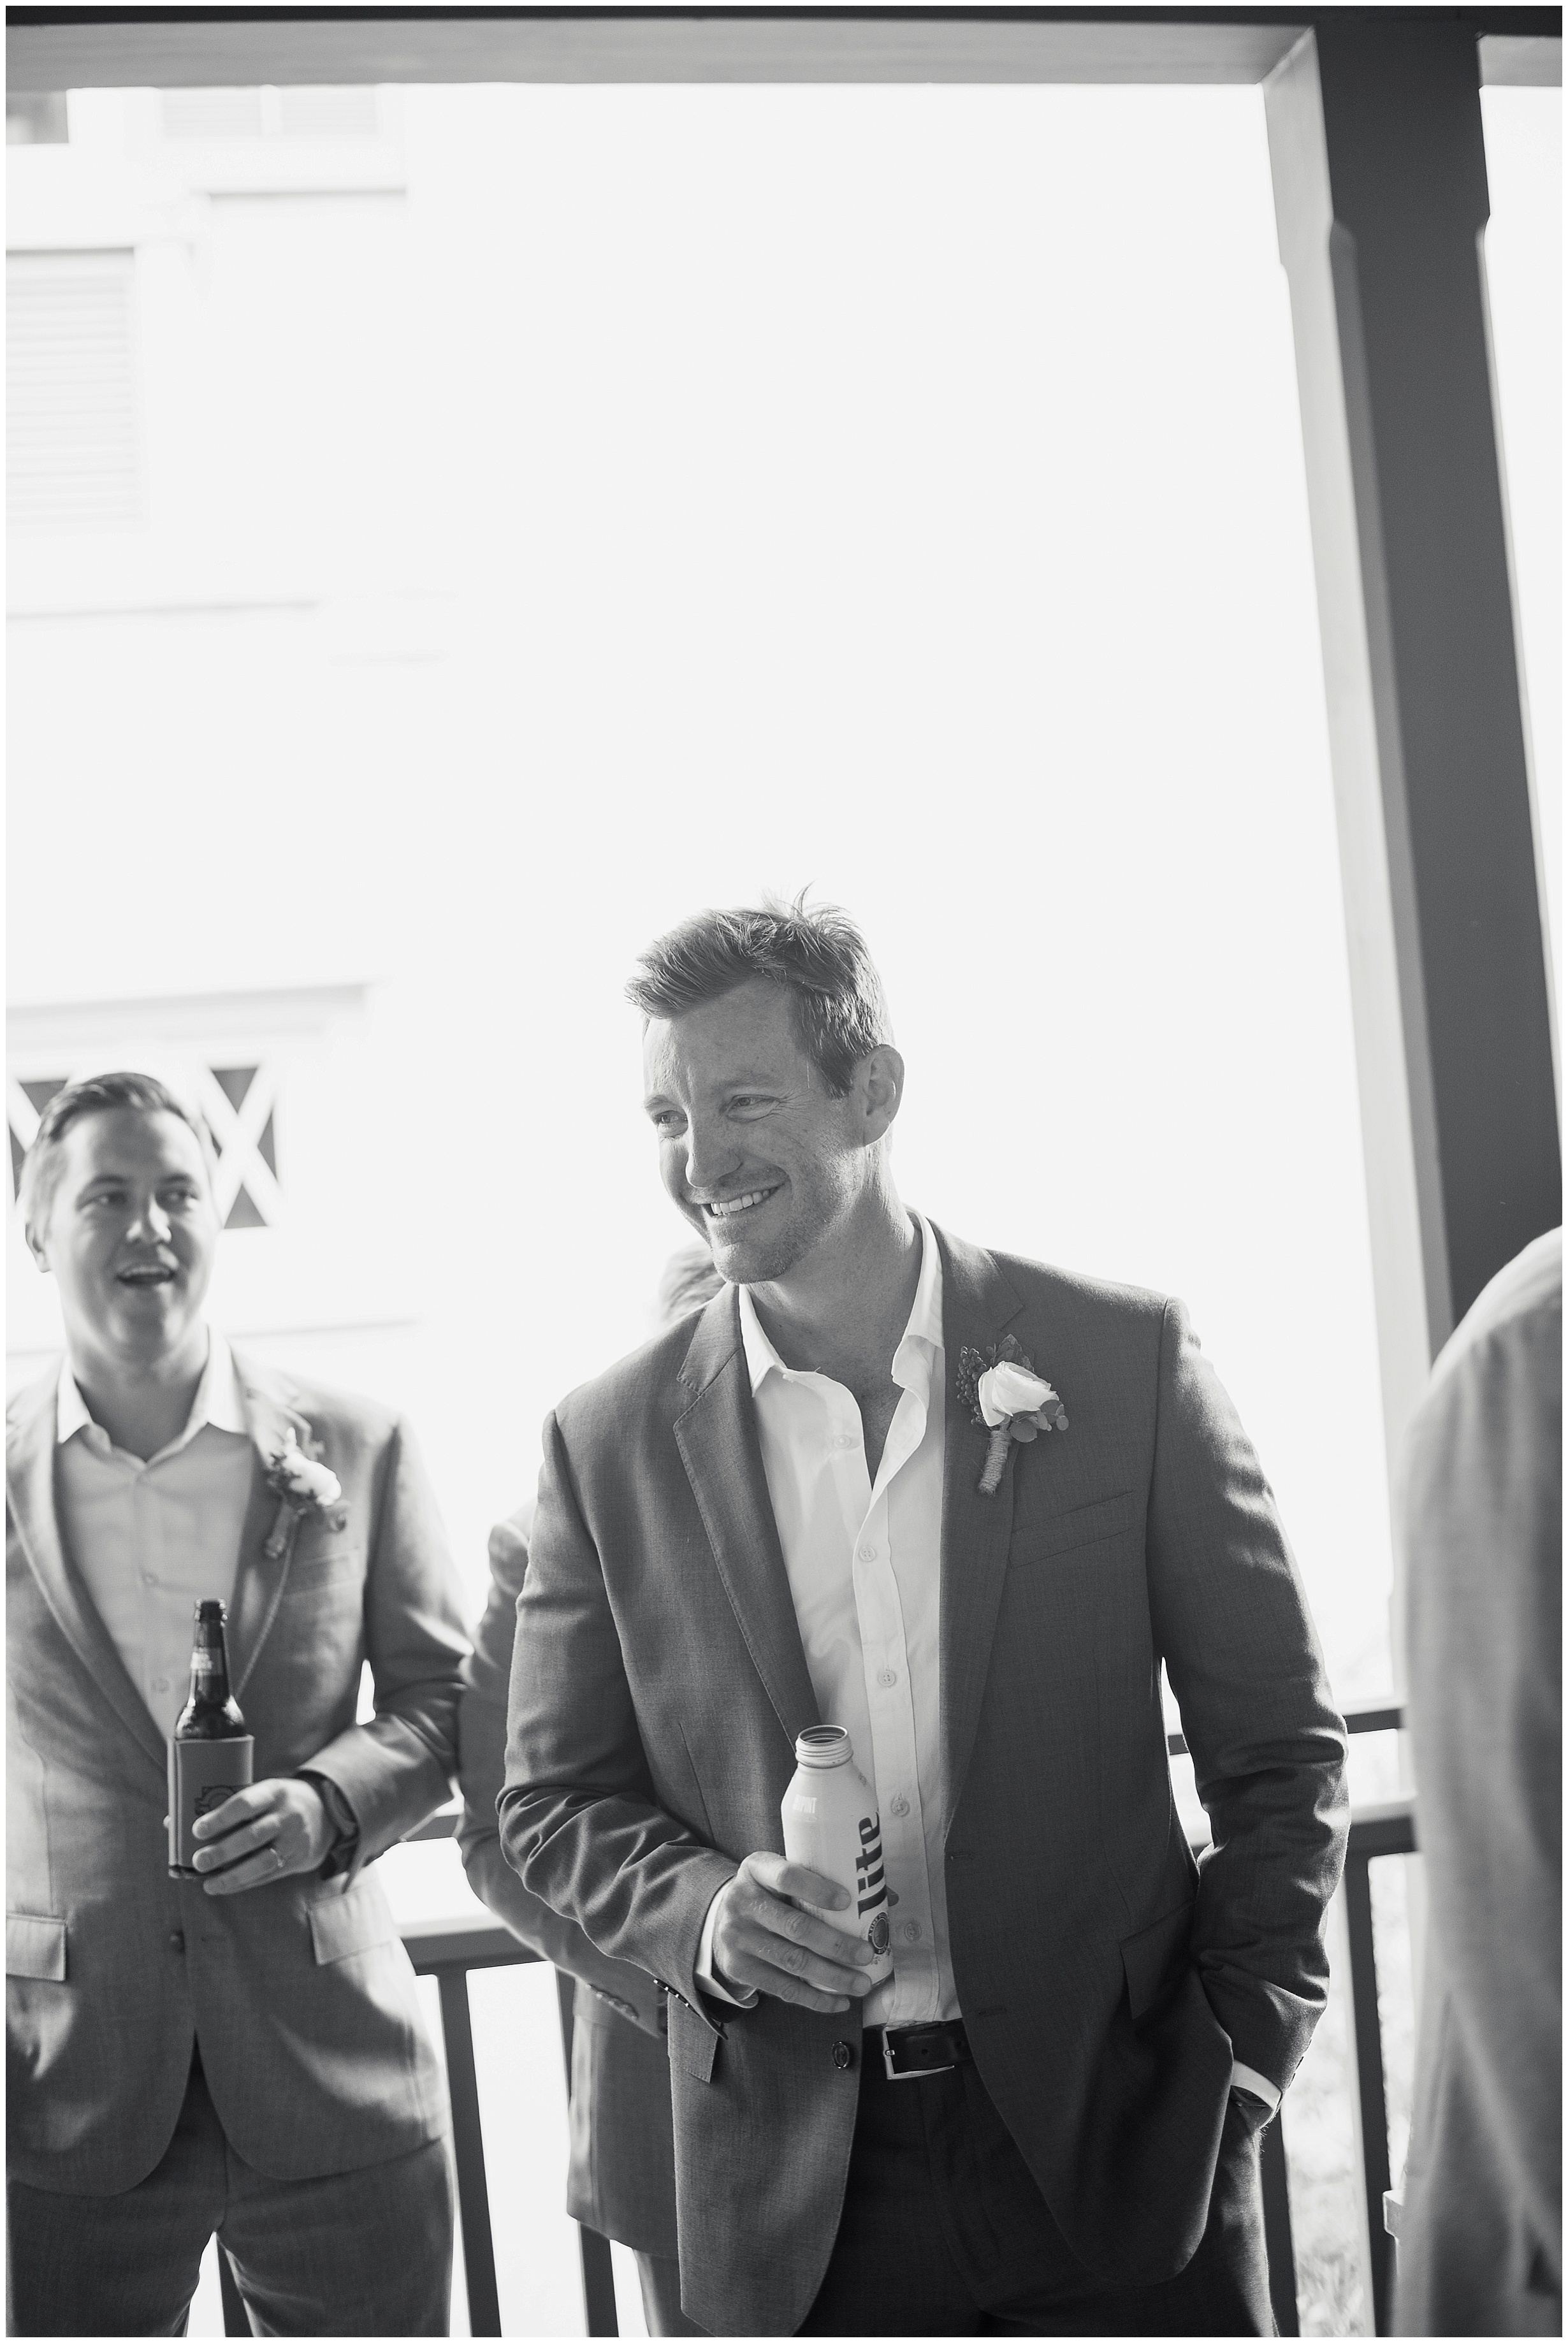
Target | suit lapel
(258,1582)
(977,1304)
(30,1485)
(718,1445)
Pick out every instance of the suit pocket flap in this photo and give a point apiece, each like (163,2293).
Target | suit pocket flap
(693,2043)
(341,1925)
(1156,1956)
(1056,1532)
(35,1947)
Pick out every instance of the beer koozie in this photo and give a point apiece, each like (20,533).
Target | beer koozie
(202,1774)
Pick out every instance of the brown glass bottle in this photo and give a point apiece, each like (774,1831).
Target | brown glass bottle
(212,1752)
(211,1712)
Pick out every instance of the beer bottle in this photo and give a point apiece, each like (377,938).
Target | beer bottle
(212,1753)
(831,1826)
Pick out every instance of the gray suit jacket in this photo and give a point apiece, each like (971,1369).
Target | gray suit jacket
(660,1682)
(300,1993)
(621,2177)
(1480,2244)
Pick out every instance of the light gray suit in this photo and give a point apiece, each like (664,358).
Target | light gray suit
(1105,1980)
(1480,2244)
(299,1993)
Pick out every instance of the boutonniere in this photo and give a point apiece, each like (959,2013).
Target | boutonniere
(1008,1400)
(302,1486)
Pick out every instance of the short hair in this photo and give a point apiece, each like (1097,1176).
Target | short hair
(99,1094)
(816,953)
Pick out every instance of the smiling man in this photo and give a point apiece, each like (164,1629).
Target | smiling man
(242,2054)
(810,1510)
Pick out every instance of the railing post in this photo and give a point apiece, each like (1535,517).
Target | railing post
(1277,2238)
(1368,2101)
(236,2319)
(468,2154)
(597,2268)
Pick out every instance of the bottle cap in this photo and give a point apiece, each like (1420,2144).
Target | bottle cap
(211,1614)
(823,1744)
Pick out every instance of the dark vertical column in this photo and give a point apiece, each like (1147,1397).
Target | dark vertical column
(1381,186)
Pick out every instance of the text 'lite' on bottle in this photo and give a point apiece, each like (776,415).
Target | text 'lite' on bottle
(831,1826)
(212,1753)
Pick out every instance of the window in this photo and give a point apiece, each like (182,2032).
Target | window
(289,113)
(72,450)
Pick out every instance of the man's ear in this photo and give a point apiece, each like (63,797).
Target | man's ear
(880,1077)
(37,1245)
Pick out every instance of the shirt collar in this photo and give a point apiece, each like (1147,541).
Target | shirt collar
(219,1400)
(924,1325)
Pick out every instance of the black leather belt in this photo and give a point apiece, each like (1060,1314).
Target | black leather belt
(911,2051)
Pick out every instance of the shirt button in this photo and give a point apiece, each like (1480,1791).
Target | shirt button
(885,1676)
(160,1684)
(867,1552)
(176,1942)
(148,1578)
(845,1440)
(843,2056)
(900,1806)
(910,1932)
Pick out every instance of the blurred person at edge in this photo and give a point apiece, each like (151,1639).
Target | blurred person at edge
(1481,2233)
(795,1510)
(244,2053)
(621,2179)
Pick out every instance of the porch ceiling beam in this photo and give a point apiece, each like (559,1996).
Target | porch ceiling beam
(169,47)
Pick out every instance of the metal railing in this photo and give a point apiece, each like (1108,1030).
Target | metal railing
(449,1949)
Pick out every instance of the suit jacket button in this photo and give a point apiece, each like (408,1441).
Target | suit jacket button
(843,2056)
(176,1942)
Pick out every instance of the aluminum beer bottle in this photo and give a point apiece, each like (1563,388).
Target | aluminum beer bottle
(831,1826)
(211,1754)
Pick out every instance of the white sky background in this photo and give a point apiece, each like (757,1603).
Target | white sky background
(894,490)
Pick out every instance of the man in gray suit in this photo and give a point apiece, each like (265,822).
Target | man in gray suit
(242,2054)
(837,1498)
(1481,2240)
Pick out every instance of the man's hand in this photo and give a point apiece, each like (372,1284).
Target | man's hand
(266,1832)
(761,1939)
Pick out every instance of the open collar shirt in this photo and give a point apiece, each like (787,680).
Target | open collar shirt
(864,1563)
(152,1539)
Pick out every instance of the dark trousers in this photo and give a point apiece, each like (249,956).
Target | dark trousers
(352,2253)
(943,2232)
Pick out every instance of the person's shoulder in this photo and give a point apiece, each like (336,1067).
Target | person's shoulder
(1520,1309)
(658,1379)
(28,1402)
(350,1415)
(1069,1297)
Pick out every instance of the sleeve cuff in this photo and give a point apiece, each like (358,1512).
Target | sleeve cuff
(1247,2078)
(707,1975)
(340,1855)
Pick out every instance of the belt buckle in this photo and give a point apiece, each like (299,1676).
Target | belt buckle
(908,2073)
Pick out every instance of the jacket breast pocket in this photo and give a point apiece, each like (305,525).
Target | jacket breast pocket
(353,1922)
(35,1947)
(1155,1958)
(693,2043)
(1053,1534)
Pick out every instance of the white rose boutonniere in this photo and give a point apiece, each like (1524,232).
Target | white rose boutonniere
(302,1485)
(1008,1400)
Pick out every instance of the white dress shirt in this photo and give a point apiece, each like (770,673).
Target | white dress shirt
(864,1565)
(152,1540)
